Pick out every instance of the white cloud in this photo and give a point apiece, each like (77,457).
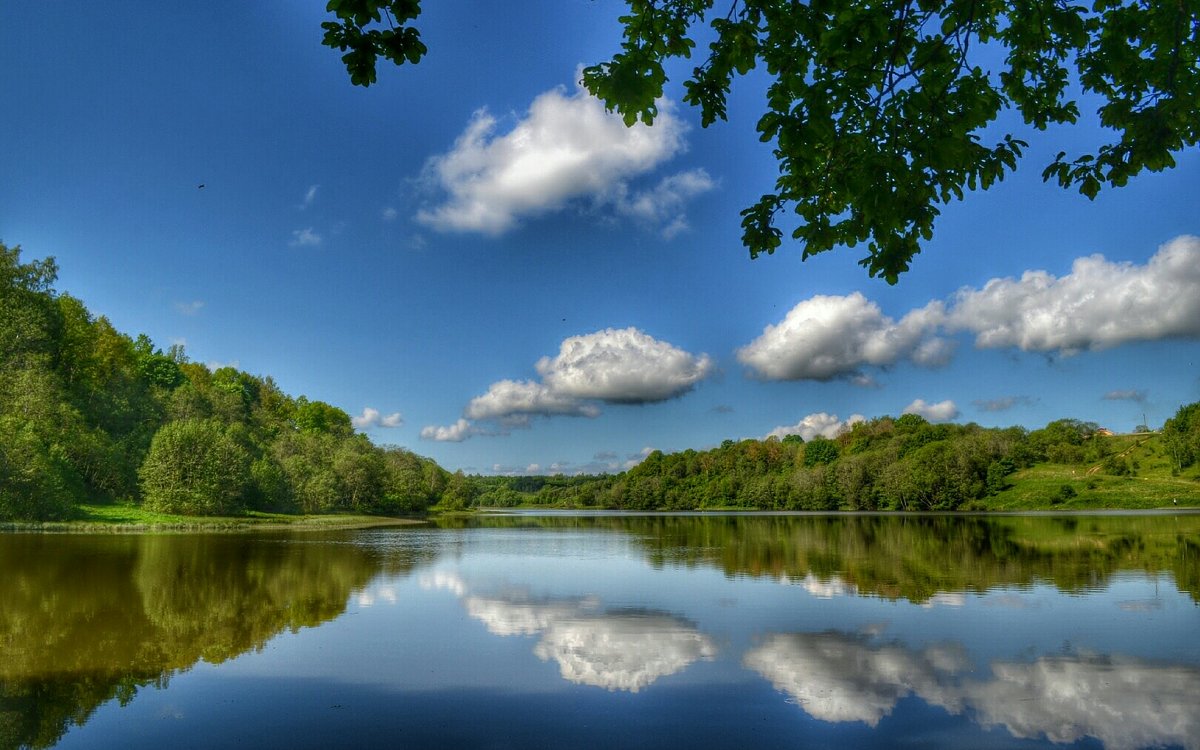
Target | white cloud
(825,425)
(612,366)
(663,205)
(455,433)
(213,365)
(826,337)
(305,238)
(189,308)
(309,196)
(1099,304)
(624,366)
(512,398)
(389,214)
(566,147)
(372,418)
(942,411)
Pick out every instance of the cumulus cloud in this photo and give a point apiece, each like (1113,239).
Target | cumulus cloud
(663,205)
(1099,304)
(1004,403)
(310,196)
(825,425)
(942,411)
(373,418)
(189,308)
(612,366)
(1137,396)
(566,147)
(515,401)
(827,337)
(455,433)
(305,238)
(622,366)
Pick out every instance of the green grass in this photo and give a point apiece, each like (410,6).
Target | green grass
(1152,482)
(121,517)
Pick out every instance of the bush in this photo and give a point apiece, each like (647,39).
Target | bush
(195,468)
(1065,493)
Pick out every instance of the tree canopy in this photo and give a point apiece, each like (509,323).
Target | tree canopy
(88,414)
(876,112)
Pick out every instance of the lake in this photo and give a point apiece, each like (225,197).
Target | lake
(548,630)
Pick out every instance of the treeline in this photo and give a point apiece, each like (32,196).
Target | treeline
(887,463)
(88,414)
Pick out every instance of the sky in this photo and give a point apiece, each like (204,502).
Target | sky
(477,263)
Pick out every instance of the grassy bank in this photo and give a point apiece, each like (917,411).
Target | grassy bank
(1150,482)
(131,518)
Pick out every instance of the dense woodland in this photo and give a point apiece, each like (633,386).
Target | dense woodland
(91,415)
(903,463)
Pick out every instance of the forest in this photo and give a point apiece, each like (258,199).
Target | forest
(895,464)
(91,415)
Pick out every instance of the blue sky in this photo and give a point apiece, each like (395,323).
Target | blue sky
(472,245)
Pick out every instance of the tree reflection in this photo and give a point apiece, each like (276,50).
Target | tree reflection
(88,619)
(914,557)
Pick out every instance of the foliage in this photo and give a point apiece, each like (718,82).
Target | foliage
(89,414)
(195,467)
(1182,434)
(904,463)
(362,45)
(877,112)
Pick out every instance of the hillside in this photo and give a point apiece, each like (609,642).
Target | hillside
(90,415)
(905,464)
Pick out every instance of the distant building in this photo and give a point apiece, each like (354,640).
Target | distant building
(1104,431)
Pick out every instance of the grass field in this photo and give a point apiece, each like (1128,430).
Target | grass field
(1151,482)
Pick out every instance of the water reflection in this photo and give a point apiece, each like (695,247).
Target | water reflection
(883,630)
(616,649)
(913,557)
(1122,701)
(88,619)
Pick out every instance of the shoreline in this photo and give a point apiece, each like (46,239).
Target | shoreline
(202,525)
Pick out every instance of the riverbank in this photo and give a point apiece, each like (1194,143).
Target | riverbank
(132,519)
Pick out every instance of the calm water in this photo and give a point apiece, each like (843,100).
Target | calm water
(611,631)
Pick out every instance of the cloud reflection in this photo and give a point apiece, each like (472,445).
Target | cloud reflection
(838,677)
(621,649)
(615,650)
(1124,702)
